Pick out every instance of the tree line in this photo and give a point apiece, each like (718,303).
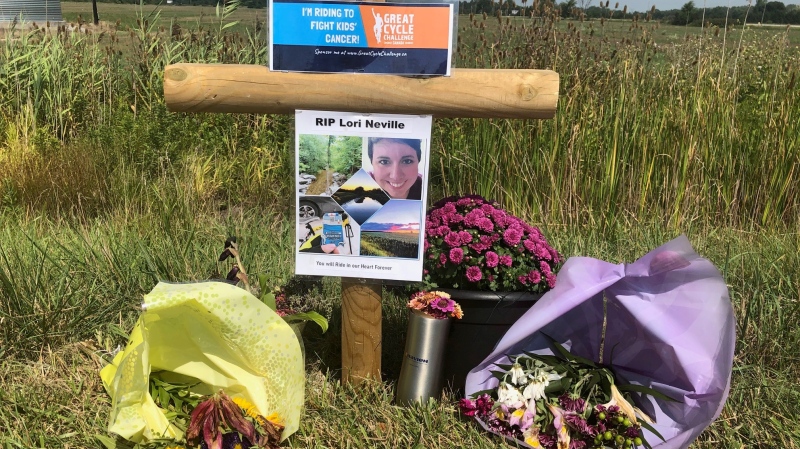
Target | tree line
(762,11)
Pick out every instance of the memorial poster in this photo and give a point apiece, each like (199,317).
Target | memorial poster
(361,192)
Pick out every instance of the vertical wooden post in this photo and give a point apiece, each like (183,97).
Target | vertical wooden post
(361,330)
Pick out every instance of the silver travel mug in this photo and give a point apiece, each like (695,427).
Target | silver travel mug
(421,372)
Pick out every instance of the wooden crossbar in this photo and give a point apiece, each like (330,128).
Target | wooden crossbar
(476,93)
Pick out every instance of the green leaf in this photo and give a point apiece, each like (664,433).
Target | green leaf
(568,355)
(503,366)
(550,360)
(646,390)
(592,381)
(267,297)
(308,316)
(163,398)
(108,442)
(490,392)
(228,25)
(647,426)
(558,385)
(499,375)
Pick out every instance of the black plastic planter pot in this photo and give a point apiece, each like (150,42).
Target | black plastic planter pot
(487,317)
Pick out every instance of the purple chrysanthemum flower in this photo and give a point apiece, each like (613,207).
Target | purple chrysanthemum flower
(529,245)
(545,267)
(442,258)
(577,444)
(467,407)
(523,279)
(572,404)
(534,277)
(512,235)
(484,404)
(452,239)
(506,260)
(492,259)
(547,441)
(472,217)
(465,237)
(551,279)
(474,274)
(456,255)
(485,225)
(577,422)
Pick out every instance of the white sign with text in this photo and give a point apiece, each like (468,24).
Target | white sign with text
(361,192)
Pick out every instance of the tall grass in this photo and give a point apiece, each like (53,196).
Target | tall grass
(653,122)
(645,129)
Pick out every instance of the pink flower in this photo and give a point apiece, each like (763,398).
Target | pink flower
(512,235)
(474,274)
(452,239)
(456,255)
(443,304)
(468,408)
(542,252)
(492,259)
(487,237)
(529,245)
(472,217)
(551,279)
(485,224)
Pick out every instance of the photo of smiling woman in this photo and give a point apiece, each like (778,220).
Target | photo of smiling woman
(396,166)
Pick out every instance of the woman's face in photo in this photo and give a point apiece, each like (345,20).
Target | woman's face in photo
(395,167)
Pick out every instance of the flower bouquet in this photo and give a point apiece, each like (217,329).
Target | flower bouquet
(471,243)
(663,322)
(437,305)
(194,345)
(563,402)
(212,366)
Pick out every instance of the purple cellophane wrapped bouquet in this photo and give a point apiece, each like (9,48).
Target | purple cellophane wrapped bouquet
(669,326)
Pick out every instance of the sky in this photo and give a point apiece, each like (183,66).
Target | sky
(664,5)
(394,213)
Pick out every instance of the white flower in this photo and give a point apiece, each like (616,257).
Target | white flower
(509,396)
(518,376)
(539,380)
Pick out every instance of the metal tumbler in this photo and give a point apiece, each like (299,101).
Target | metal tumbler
(421,372)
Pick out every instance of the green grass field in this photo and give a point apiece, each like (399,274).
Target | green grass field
(659,131)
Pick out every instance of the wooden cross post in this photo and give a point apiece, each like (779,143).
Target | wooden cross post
(475,93)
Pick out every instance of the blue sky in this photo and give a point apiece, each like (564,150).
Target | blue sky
(645,5)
